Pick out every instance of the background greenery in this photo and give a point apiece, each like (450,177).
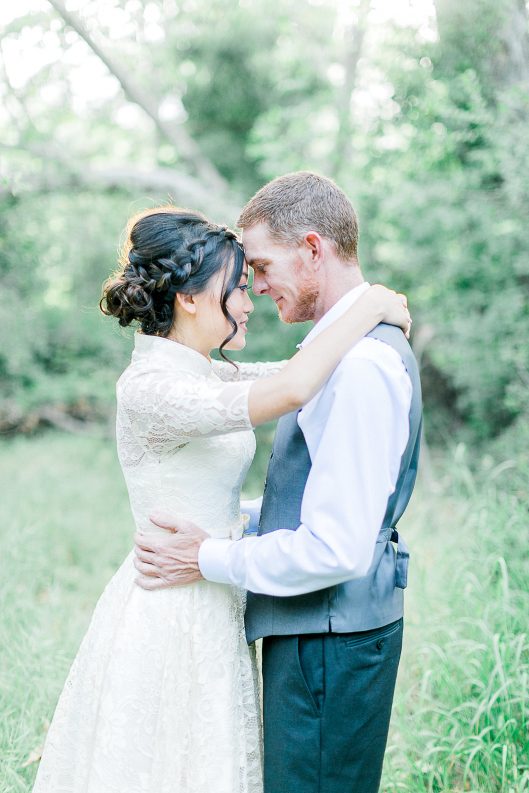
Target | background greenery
(421,114)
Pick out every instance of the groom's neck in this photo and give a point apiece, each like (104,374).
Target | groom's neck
(340,279)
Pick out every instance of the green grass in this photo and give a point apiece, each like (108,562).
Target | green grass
(65,527)
(461,716)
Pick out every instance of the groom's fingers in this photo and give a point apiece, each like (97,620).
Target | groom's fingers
(150,583)
(149,543)
(145,568)
(165,523)
(173,524)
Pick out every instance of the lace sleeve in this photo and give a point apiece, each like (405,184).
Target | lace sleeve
(246,371)
(165,411)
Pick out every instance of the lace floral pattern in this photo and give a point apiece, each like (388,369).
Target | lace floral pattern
(162,696)
(246,371)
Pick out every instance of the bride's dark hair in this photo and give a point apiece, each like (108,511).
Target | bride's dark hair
(170,250)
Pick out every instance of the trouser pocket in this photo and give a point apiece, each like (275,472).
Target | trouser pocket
(311,668)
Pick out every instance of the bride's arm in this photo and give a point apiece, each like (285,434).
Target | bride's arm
(164,409)
(305,373)
(246,371)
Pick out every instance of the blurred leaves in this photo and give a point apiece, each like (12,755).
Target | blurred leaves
(436,163)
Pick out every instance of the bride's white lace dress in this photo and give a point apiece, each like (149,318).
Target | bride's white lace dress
(162,696)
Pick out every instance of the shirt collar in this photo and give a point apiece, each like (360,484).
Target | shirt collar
(335,311)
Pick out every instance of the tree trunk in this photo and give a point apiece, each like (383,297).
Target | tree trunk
(354,36)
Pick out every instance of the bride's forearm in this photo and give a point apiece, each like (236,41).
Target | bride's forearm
(246,370)
(305,373)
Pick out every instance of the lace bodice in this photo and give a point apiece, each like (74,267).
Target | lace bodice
(184,435)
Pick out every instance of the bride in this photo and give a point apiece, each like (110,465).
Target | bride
(162,696)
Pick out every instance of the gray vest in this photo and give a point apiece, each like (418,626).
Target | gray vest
(362,603)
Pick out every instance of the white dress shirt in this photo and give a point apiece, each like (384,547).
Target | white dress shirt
(356,430)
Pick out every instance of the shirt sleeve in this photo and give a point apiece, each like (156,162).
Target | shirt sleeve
(246,371)
(356,431)
(166,410)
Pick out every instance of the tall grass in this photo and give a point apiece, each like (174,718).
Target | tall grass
(461,716)
(64,529)
(461,720)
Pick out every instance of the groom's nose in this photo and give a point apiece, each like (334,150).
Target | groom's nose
(259,284)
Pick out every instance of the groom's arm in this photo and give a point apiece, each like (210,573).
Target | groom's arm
(356,440)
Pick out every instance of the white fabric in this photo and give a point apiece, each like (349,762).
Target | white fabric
(356,430)
(162,696)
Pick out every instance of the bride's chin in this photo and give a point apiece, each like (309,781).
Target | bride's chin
(237,343)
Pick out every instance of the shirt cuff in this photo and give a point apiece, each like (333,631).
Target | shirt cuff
(213,560)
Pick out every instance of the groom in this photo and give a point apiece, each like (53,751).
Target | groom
(330,610)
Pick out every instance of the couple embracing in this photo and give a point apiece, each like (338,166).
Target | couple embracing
(163,694)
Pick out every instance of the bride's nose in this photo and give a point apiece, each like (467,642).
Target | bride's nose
(248,306)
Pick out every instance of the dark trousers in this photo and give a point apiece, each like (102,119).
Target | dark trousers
(327,705)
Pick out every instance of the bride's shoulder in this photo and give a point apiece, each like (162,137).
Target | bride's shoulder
(137,382)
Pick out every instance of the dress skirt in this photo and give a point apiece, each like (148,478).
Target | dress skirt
(161,698)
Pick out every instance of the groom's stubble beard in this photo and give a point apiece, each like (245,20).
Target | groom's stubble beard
(305,306)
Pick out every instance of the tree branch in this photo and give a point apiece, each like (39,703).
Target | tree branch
(174,133)
(166,182)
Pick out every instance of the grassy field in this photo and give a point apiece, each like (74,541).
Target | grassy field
(461,717)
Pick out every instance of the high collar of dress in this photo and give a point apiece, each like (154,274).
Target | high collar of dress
(335,311)
(172,352)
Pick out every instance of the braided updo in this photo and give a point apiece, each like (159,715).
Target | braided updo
(170,250)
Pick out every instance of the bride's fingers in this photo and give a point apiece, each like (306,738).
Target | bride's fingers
(403,299)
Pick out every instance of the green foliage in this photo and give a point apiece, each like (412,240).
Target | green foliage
(445,203)
(438,168)
(52,265)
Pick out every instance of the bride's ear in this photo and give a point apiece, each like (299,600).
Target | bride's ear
(185,303)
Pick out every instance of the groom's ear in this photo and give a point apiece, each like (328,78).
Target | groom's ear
(186,302)
(314,246)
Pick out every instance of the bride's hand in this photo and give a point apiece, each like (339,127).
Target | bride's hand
(391,306)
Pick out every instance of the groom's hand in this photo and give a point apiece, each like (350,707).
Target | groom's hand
(172,561)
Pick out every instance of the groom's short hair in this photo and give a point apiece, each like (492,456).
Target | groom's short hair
(298,202)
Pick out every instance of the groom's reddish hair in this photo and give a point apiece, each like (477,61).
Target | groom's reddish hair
(303,201)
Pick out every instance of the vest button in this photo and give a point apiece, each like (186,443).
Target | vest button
(380,644)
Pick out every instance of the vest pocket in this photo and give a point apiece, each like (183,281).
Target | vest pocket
(402,561)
